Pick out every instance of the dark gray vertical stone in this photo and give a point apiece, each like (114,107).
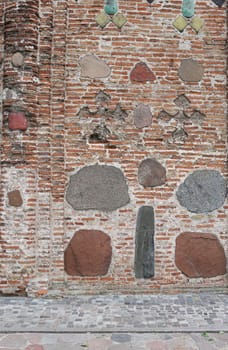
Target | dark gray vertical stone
(144,243)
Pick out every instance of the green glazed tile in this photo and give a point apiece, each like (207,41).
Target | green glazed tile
(180,23)
(196,24)
(102,19)
(119,20)
(188,8)
(111,7)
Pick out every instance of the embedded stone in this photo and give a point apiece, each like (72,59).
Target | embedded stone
(142,116)
(102,97)
(93,67)
(191,70)
(17,59)
(182,101)
(144,243)
(151,173)
(200,255)
(180,23)
(179,136)
(17,121)
(202,191)
(119,20)
(99,187)
(196,24)
(89,253)
(188,8)
(197,115)
(219,3)
(14,198)
(102,19)
(141,73)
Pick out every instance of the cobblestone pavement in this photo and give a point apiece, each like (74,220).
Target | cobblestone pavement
(116,322)
(201,312)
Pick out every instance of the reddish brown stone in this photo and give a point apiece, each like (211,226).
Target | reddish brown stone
(200,255)
(17,121)
(14,198)
(141,73)
(151,173)
(89,253)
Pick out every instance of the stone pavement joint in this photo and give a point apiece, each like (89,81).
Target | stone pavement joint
(203,312)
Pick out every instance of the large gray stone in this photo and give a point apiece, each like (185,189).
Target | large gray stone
(93,67)
(191,70)
(99,187)
(144,243)
(202,191)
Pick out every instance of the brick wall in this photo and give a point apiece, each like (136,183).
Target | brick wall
(58,107)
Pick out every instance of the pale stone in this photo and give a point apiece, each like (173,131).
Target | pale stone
(93,67)
(191,70)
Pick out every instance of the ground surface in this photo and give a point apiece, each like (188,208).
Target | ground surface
(116,322)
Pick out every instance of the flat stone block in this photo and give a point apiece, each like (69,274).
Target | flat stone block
(202,191)
(89,253)
(99,187)
(142,116)
(17,121)
(93,67)
(200,255)
(191,70)
(15,198)
(144,243)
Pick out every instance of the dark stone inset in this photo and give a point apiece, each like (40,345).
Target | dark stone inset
(99,187)
(15,199)
(182,101)
(200,255)
(219,3)
(202,191)
(17,121)
(144,243)
(141,73)
(100,133)
(102,97)
(191,70)
(151,173)
(89,253)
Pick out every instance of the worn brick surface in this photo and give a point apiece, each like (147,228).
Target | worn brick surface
(53,37)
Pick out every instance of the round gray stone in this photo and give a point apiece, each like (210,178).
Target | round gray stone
(202,191)
(17,59)
(99,187)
